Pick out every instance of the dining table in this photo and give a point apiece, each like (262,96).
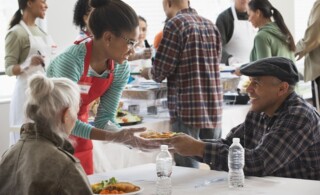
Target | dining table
(192,181)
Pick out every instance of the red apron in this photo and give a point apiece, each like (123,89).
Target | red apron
(83,148)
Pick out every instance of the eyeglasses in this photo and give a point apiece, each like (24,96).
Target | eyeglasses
(131,44)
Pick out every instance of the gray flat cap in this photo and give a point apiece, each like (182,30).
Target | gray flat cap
(280,67)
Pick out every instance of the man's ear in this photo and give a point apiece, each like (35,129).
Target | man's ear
(284,88)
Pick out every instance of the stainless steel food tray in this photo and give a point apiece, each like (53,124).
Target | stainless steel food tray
(145,91)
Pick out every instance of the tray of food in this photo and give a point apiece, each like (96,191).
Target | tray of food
(112,186)
(125,118)
(145,91)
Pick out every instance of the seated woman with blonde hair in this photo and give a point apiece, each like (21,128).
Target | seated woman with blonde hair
(42,161)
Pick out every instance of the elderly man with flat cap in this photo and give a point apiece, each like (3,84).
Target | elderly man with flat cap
(281,132)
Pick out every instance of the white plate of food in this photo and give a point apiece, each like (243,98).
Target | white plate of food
(112,187)
(125,118)
(154,135)
(128,193)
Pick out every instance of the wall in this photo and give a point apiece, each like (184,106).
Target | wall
(286,8)
(61,28)
(60,22)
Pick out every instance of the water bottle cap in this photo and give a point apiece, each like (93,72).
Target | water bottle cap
(164,147)
(236,140)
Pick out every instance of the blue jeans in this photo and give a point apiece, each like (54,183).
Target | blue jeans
(179,126)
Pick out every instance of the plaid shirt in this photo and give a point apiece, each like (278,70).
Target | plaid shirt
(189,56)
(285,145)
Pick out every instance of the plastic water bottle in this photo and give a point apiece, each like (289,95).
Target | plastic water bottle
(236,164)
(164,170)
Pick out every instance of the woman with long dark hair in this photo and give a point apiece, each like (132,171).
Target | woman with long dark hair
(273,37)
(27,47)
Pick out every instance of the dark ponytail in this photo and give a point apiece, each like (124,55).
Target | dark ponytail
(18,15)
(15,19)
(111,15)
(283,27)
(269,11)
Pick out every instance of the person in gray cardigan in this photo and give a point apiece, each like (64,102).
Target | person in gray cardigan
(41,162)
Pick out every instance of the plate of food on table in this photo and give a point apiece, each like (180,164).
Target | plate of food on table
(113,186)
(125,118)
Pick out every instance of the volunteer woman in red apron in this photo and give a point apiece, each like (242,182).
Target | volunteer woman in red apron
(99,67)
(91,88)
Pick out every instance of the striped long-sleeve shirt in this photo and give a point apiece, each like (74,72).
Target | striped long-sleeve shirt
(189,56)
(285,145)
(70,64)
